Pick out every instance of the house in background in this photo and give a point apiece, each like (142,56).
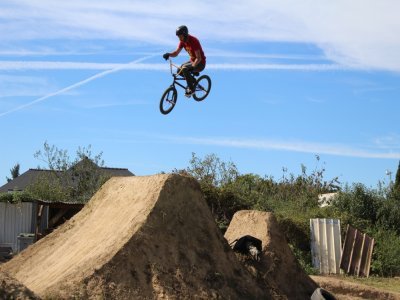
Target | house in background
(23,223)
(326,199)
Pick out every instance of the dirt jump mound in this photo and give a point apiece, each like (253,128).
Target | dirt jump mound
(276,267)
(10,288)
(147,237)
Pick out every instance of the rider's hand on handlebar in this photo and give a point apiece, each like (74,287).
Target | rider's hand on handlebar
(166,56)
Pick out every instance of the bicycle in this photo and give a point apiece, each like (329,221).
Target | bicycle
(202,88)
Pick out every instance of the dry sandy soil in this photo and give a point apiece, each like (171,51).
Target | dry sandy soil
(344,290)
(277,268)
(153,237)
(138,238)
(10,288)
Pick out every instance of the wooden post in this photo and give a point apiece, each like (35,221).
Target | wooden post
(38,234)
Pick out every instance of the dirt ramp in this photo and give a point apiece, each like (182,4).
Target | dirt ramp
(277,267)
(138,238)
(10,288)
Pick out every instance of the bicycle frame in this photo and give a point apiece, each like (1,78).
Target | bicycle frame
(176,75)
(202,86)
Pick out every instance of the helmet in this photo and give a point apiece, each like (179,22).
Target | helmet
(182,30)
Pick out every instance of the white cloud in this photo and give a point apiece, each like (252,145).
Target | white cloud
(62,65)
(113,104)
(294,146)
(19,86)
(315,100)
(263,144)
(239,54)
(357,32)
(74,86)
(390,141)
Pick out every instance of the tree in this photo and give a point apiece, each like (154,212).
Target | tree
(211,170)
(14,172)
(68,180)
(396,186)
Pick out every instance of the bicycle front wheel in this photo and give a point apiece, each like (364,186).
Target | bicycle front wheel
(168,100)
(203,87)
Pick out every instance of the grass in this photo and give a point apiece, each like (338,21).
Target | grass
(382,283)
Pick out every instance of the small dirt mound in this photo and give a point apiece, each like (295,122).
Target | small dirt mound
(150,237)
(10,288)
(345,290)
(277,268)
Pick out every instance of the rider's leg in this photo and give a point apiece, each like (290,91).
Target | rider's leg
(187,69)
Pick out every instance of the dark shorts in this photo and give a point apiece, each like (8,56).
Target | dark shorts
(188,65)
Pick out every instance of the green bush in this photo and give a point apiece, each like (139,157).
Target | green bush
(223,203)
(386,256)
(389,215)
(294,201)
(6,197)
(16,197)
(359,202)
(296,231)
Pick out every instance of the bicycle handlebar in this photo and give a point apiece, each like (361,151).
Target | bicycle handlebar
(172,64)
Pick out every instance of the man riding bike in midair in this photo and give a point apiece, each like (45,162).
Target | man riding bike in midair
(197,61)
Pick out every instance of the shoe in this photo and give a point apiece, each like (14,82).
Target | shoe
(188,92)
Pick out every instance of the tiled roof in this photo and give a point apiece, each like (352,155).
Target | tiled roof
(22,181)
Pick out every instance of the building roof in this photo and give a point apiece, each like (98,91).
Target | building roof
(326,199)
(22,181)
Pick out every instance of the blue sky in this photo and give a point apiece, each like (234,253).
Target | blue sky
(290,80)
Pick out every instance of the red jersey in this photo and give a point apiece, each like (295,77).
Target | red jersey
(191,45)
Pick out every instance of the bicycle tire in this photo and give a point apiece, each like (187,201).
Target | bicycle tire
(202,88)
(321,294)
(168,100)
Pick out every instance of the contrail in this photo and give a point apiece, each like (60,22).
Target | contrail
(57,65)
(75,85)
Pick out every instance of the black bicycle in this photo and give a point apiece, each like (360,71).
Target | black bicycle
(202,88)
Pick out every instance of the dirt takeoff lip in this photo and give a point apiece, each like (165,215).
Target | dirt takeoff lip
(139,237)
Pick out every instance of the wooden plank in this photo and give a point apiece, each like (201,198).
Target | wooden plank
(357,253)
(369,257)
(347,249)
(38,234)
(355,259)
(366,256)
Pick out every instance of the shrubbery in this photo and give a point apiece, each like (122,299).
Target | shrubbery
(16,197)
(294,200)
(386,258)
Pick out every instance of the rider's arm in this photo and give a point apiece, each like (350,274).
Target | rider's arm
(176,52)
(198,58)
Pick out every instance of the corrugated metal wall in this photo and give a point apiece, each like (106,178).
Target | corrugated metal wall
(326,245)
(357,252)
(14,219)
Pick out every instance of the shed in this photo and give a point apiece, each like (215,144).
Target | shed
(37,217)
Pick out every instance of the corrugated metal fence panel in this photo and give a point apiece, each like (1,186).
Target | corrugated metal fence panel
(326,246)
(357,252)
(14,219)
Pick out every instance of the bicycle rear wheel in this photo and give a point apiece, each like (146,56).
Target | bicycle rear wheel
(203,87)
(168,100)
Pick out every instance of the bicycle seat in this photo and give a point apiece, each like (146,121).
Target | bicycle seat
(196,73)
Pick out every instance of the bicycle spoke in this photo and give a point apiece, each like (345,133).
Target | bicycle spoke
(168,100)
(203,88)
